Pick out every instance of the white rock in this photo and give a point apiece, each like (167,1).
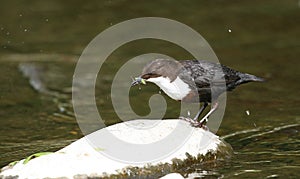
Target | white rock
(82,157)
(172,176)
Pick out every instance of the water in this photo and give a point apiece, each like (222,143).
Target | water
(254,36)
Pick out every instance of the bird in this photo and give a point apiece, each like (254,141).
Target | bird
(193,81)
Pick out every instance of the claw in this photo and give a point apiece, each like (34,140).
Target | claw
(194,123)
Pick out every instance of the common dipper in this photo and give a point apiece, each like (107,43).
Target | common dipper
(193,81)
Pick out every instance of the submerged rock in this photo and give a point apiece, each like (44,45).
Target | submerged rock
(94,156)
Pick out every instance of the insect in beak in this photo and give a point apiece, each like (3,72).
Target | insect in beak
(138,80)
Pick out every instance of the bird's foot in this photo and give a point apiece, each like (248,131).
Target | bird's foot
(194,123)
(187,119)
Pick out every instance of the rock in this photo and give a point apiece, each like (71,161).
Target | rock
(96,155)
(172,176)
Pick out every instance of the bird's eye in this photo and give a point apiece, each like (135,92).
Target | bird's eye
(146,76)
(150,75)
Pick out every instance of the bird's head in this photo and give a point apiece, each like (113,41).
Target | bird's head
(157,68)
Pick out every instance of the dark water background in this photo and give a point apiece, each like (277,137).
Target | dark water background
(49,36)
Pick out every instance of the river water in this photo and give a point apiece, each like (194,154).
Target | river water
(41,41)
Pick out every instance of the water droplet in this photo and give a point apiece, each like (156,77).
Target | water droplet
(25,30)
(61,109)
(7,33)
(189,113)
(2,28)
(46,20)
(20,15)
(229,30)
(140,88)
(247,112)
(254,124)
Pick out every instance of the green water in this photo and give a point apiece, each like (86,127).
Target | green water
(51,35)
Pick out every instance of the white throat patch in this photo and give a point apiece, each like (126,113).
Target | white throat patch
(176,90)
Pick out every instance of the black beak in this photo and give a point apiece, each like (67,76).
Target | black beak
(135,82)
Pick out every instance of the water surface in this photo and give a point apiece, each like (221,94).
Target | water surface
(50,35)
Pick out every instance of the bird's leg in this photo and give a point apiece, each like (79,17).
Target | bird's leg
(194,121)
(205,118)
(200,111)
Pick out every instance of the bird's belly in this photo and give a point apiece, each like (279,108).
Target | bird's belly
(176,89)
(173,92)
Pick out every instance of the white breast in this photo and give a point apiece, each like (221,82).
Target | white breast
(176,89)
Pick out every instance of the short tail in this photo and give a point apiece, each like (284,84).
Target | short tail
(245,78)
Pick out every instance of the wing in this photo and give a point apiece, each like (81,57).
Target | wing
(206,74)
